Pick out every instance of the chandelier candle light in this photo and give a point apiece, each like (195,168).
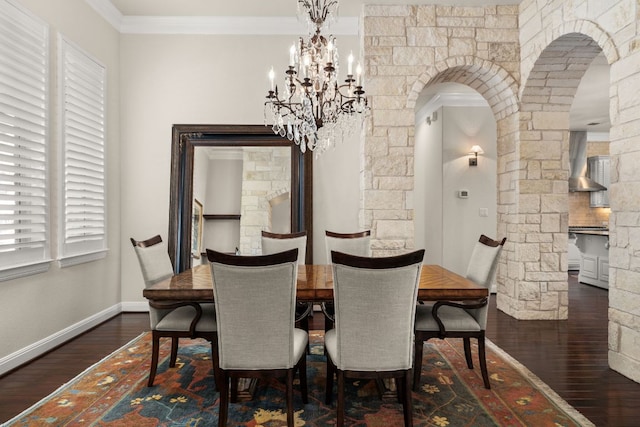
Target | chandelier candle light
(314,110)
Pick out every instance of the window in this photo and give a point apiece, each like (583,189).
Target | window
(82,234)
(24,98)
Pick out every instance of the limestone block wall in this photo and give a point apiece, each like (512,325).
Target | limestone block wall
(407,48)
(266,175)
(527,61)
(612,27)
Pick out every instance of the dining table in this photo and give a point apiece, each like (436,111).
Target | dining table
(315,284)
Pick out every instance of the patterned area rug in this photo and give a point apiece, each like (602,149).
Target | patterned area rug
(114,393)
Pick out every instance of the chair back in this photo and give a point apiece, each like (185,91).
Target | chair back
(255,309)
(375,302)
(275,242)
(156,266)
(482,269)
(358,244)
(154,259)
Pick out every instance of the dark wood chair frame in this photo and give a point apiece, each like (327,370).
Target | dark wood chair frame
(442,333)
(327,308)
(223,376)
(402,377)
(175,336)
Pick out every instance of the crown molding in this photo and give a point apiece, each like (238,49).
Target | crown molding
(451,99)
(215,25)
(108,11)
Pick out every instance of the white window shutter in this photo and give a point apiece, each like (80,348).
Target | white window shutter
(83,172)
(24,134)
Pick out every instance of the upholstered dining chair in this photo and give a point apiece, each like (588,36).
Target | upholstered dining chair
(363,345)
(358,243)
(173,320)
(466,320)
(278,242)
(255,300)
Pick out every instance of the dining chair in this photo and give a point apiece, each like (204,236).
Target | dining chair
(358,243)
(466,320)
(173,319)
(278,242)
(255,300)
(377,346)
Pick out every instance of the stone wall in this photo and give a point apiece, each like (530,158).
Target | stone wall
(266,175)
(527,62)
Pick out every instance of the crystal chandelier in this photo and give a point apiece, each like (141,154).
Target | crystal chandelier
(314,110)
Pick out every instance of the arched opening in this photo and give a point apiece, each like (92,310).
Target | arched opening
(543,189)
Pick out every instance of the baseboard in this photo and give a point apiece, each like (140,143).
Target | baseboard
(38,348)
(134,306)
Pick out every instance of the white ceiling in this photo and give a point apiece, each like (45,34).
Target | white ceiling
(591,103)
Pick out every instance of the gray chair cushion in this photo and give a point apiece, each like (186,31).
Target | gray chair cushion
(375,312)
(180,319)
(454,319)
(272,246)
(255,309)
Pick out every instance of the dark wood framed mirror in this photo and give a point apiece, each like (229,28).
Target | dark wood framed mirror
(185,138)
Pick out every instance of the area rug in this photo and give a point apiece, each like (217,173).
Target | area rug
(113,392)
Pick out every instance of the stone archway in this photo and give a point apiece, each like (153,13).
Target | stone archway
(542,212)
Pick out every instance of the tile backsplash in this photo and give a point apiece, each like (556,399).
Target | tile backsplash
(579,211)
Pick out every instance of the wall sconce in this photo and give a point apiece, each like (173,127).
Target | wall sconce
(475,150)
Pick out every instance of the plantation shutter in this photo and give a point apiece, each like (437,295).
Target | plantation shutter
(24,94)
(83,219)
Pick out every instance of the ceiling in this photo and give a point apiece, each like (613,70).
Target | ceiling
(591,103)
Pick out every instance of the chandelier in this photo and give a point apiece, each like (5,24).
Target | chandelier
(314,110)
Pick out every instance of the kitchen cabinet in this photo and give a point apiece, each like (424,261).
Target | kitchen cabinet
(599,168)
(594,258)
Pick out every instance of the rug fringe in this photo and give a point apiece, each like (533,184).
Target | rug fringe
(541,385)
(59,389)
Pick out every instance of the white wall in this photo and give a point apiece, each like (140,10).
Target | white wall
(178,79)
(446,225)
(224,188)
(40,309)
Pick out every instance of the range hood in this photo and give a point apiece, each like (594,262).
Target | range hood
(578,180)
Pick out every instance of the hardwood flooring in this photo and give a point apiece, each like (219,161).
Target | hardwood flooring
(570,356)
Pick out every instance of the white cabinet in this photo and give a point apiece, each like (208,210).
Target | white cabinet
(588,268)
(599,168)
(573,253)
(594,259)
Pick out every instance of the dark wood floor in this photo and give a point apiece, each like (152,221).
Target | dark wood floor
(570,356)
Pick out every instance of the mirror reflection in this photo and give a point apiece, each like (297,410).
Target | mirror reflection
(243,190)
(246,179)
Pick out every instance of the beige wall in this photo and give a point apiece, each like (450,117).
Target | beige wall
(39,309)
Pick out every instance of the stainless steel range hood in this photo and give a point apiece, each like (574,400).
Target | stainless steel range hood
(578,180)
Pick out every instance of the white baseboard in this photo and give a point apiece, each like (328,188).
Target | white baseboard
(38,348)
(134,306)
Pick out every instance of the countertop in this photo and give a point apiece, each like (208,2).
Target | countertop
(590,232)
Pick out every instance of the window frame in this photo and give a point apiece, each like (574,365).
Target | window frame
(27,258)
(89,249)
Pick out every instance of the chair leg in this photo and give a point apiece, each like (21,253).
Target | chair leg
(407,403)
(216,364)
(290,373)
(155,348)
(174,352)
(417,362)
(467,352)
(329,385)
(340,418)
(223,410)
(302,373)
(234,389)
(483,362)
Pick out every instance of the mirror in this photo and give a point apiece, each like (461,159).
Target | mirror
(185,138)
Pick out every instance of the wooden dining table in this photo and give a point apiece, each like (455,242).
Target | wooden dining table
(315,284)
